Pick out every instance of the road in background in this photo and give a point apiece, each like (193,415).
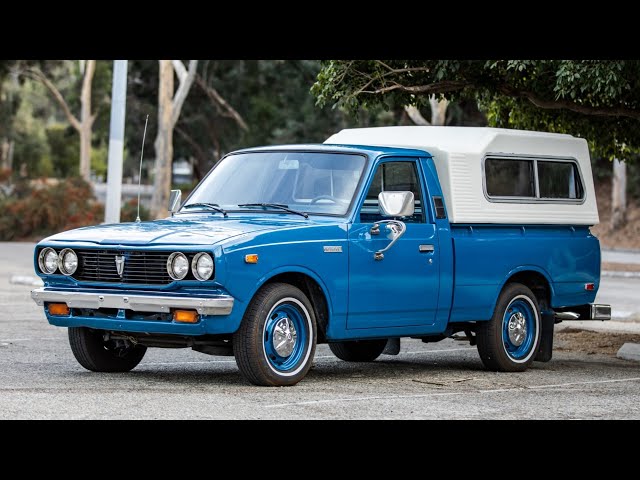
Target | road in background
(39,378)
(621,256)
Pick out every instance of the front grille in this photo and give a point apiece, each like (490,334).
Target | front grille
(139,267)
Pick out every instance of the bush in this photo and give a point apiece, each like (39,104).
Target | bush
(40,211)
(129,211)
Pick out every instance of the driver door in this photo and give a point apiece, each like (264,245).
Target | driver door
(401,289)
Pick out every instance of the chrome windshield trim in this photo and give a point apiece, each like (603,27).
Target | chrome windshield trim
(215,305)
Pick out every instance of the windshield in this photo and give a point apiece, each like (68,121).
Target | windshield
(312,182)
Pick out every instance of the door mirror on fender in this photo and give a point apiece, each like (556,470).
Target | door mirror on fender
(174,201)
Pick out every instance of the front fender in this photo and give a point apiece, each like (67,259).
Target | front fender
(300,250)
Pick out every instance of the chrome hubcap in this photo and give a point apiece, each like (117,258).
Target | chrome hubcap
(517,329)
(284,337)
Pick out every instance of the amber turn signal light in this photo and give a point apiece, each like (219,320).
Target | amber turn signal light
(185,316)
(251,258)
(58,309)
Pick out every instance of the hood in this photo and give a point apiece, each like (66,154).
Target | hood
(174,231)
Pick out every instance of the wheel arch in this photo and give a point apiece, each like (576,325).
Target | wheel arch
(312,287)
(535,278)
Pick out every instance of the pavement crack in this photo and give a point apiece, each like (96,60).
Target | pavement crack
(444,384)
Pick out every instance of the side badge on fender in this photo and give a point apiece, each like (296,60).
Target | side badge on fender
(332,249)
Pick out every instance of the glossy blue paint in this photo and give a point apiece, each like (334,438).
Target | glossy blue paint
(402,289)
(487,256)
(444,243)
(402,295)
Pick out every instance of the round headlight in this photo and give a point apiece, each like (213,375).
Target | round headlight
(48,260)
(202,266)
(67,262)
(177,266)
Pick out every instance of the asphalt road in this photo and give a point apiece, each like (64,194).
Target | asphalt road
(621,256)
(39,378)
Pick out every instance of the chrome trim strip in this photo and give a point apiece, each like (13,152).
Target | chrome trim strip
(216,305)
(567,315)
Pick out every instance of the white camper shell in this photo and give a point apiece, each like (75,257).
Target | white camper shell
(499,176)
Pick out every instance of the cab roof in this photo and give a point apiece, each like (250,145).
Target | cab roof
(369,150)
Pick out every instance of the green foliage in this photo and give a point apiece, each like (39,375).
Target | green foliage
(595,99)
(99,157)
(31,155)
(37,211)
(273,98)
(602,173)
(64,145)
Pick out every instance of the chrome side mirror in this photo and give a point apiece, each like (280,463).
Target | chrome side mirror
(395,229)
(396,204)
(393,204)
(174,201)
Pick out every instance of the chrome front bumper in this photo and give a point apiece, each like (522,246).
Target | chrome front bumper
(216,305)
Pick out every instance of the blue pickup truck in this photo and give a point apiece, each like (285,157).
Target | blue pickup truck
(375,235)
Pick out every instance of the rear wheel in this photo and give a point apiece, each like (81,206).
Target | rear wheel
(276,341)
(96,354)
(509,341)
(359,350)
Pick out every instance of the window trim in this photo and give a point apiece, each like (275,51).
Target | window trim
(417,168)
(537,198)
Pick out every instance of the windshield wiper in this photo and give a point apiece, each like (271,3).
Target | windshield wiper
(274,205)
(212,206)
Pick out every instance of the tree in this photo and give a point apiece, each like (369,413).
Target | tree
(169,107)
(243,103)
(598,100)
(619,194)
(84,124)
(438,112)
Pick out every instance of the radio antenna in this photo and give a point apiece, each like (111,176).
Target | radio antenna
(144,135)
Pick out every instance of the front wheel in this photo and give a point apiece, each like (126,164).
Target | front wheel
(96,354)
(509,341)
(276,341)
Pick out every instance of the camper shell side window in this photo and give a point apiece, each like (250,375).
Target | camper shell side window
(524,179)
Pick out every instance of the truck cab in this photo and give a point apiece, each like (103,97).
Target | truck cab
(376,235)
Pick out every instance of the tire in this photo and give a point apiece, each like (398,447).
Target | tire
(502,347)
(276,341)
(359,350)
(93,353)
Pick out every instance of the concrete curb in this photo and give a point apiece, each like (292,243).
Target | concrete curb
(614,273)
(621,250)
(25,280)
(630,351)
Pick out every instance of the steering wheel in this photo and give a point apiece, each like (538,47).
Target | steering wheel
(326,197)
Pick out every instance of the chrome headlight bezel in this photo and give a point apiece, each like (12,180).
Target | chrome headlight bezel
(170,262)
(42,260)
(194,266)
(61,262)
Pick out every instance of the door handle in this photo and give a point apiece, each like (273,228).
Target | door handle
(426,248)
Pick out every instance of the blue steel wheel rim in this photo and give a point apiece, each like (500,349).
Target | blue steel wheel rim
(519,328)
(286,322)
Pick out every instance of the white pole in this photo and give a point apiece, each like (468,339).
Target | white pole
(116,142)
